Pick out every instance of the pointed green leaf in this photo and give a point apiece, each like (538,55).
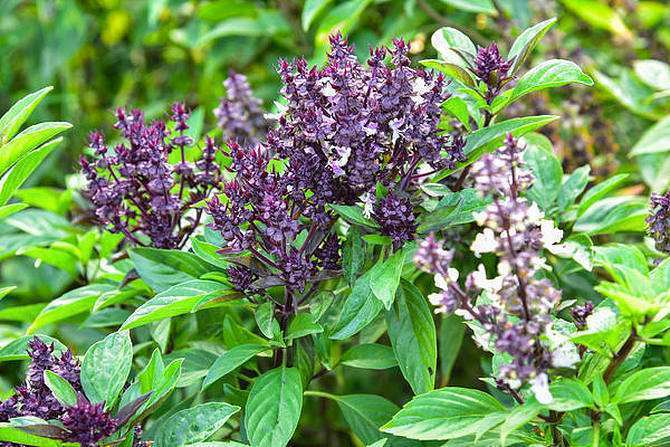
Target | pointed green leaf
(28,140)
(177,300)
(61,388)
(11,122)
(273,408)
(230,360)
(412,332)
(194,425)
(106,367)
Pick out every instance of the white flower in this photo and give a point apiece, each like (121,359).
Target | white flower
(564,353)
(328,91)
(336,164)
(485,242)
(481,281)
(368,204)
(550,234)
(540,388)
(480,217)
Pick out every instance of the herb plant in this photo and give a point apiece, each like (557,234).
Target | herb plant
(386,221)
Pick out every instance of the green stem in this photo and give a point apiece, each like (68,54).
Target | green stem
(596,433)
(317,394)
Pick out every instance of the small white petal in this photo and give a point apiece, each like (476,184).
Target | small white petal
(550,234)
(328,91)
(441,282)
(540,389)
(453,274)
(485,242)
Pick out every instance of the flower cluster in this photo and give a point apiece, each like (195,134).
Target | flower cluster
(659,221)
(88,423)
(84,422)
(348,126)
(492,69)
(259,216)
(137,191)
(513,309)
(240,114)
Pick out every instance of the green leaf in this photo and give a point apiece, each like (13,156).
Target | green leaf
(359,309)
(14,177)
(630,92)
(61,388)
(385,277)
(8,210)
(230,360)
(266,321)
(570,395)
(599,15)
(162,269)
(21,437)
(18,349)
(613,215)
(458,108)
(456,73)
(369,356)
(28,140)
(194,425)
(209,253)
(273,408)
(650,431)
(549,74)
(68,305)
(547,173)
(101,381)
(526,42)
(353,254)
(4,291)
(453,46)
(599,191)
(365,413)
(483,6)
(106,318)
(301,325)
(646,384)
(490,138)
(601,395)
(342,18)
(353,214)
(411,330)
(518,417)
(177,300)
(447,413)
(311,10)
(656,74)
(11,122)
(450,339)
(573,186)
(654,140)
(455,208)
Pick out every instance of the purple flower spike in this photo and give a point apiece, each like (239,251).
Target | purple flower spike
(88,423)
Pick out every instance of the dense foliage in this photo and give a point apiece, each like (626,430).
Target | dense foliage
(357,222)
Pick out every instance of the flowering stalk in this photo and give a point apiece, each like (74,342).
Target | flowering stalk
(514,308)
(240,114)
(136,191)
